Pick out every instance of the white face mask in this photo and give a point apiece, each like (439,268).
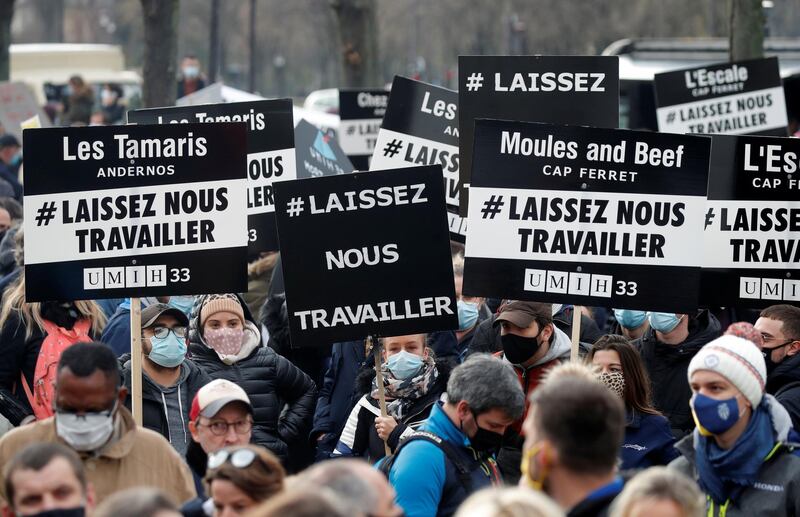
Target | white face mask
(86,432)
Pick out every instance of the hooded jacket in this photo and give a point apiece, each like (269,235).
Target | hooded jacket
(777,491)
(667,366)
(155,413)
(270,382)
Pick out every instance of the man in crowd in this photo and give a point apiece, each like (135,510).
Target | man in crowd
(117,332)
(169,380)
(667,347)
(779,326)
(430,471)
(90,417)
(573,433)
(190,79)
(46,477)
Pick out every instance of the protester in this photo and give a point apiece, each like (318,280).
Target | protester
(337,396)
(659,492)
(413,382)
(434,476)
(573,433)
(112,109)
(743,453)
(80,102)
(779,326)
(117,333)
(321,503)
(361,489)
(666,348)
(190,79)
(32,337)
(170,381)
(241,477)
(509,502)
(648,439)
(10,161)
(91,419)
(138,502)
(226,344)
(630,323)
(47,477)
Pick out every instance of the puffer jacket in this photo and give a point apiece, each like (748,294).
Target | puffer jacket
(777,491)
(270,382)
(667,366)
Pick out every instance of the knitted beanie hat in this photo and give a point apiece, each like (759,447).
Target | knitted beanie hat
(747,331)
(220,303)
(736,359)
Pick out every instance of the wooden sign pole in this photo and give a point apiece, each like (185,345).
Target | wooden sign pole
(136,360)
(376,352)
(576,333)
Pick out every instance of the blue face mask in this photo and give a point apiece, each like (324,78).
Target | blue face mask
(664,322)
(467,314)
(168,352)
(16,160)
(404,365)
(630,319)
(182,303)
(714,417)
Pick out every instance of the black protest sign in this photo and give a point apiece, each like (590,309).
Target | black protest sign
(318,153)
(355,262)
(360,115)
(589,216)
(577,90)
(728,98)
(421,128)
(270,154)
(134,210)
(752,223)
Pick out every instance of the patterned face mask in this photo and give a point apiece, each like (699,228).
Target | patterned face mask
(615,381)
(225,341)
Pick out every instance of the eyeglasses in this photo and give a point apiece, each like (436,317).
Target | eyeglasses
(220,428)
(239,458)
(89,415)
(162,332)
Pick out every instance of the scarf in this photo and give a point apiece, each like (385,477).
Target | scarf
(725,474)
(403,392)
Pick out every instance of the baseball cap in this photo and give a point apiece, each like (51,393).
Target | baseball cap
(523,314)
(8,140)
(152,312)
(214,396)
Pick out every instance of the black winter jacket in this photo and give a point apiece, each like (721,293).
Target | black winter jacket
(270,382)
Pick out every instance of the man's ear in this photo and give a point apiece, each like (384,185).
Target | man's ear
(462,409)
(193,430)
(122,395)
(794,348)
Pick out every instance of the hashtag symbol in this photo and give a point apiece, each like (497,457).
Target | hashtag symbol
(351,130)
(492,207)
(474,82)
(709,217)
(295,206)
(46,214)
(670,117)
(392,148)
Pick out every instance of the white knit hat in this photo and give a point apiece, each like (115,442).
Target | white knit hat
(736,359)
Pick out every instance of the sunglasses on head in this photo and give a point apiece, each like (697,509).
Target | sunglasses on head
(239,458)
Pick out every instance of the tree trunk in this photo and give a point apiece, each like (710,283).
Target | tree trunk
(52,16)
(160,49)
(746,39)
(6,14)
(358,41)
(213,51)
(252,44)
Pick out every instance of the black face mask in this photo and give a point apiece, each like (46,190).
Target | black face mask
(771,365)
(71,512)
(518,349)
(485,441)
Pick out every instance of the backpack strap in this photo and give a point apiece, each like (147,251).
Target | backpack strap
(28,392)
(462,468)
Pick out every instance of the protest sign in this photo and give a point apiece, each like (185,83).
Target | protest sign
(18,105)
(364,254)
(576,90)
(421,128)
(121,211)
(270,154)
(360,115)
(752,223)
(318,153)
(587,216)
(739,98)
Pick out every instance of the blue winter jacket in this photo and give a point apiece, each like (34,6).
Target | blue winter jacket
(427,484)
(648,442)
(117,333)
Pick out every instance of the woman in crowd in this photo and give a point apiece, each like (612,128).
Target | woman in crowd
(240,478)
(226,343)
(743,452)
(648,439)
(413,383)
(80,101)
(659,492)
